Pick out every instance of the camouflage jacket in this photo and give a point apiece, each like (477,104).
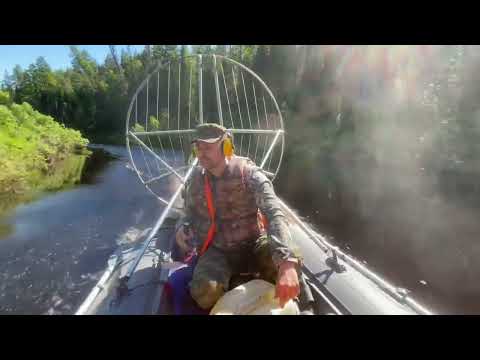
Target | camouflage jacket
(237,197)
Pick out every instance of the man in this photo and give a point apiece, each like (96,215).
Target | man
(224,199)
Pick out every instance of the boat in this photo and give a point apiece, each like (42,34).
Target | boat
(175,97)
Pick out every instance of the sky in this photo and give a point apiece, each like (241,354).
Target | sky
(57,56)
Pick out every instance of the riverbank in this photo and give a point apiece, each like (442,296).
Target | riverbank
(36,153)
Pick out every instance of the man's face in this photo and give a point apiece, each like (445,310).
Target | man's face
(209,155)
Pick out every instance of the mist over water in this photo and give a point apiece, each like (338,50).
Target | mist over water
(394,176)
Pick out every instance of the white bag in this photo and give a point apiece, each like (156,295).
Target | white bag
(256,297)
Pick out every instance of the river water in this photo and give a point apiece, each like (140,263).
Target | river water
(53,250)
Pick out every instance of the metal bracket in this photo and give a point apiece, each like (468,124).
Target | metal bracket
(403,293)
(122,287)
(333,263)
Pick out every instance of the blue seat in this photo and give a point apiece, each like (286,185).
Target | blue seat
(178,291)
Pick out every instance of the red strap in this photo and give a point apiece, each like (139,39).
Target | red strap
(211,213)
(264,220)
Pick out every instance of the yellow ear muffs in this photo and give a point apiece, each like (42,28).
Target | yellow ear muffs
(193,153)
(228,147)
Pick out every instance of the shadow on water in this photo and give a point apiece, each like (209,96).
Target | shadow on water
(97,162)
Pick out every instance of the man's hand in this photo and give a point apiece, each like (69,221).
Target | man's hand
(288,286)
(183,238)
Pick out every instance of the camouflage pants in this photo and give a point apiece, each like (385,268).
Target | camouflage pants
(216,271)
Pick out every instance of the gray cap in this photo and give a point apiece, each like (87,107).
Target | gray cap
(209,132)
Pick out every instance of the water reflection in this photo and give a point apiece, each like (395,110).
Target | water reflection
(5,230)
(64,176)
